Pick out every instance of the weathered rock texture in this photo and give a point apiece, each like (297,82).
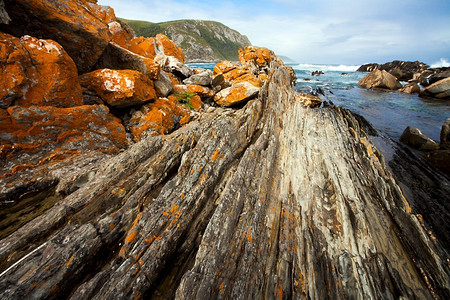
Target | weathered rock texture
(439,89)
(272,200)
(402,70)
(380,79)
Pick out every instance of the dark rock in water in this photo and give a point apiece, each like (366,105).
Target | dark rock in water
(307,79)
(402,70)
(440,159)
(445,135)
(380,79)
(317,73)
(269,200)
(439,74)
(415,138)
(440,89)
(344,74)
(410,88)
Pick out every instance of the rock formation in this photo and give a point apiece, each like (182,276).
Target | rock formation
(439,89)
(402,70)
(380,79)
(269,198)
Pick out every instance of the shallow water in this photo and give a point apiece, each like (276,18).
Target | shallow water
(389,112)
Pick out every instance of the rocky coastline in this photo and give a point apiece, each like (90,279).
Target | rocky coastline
(127,174)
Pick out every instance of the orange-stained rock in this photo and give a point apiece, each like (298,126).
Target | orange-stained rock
(236,94)
(120,88)
(88,127)
(202,91)
(196,102)
(252,56)
(160,117)
(308,100)
(149,47)
(119,58)
(36,72)
(104,13)
(175,80)
(236,74)
(79,26)
(119,35)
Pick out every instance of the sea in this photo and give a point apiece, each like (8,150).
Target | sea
(389,112)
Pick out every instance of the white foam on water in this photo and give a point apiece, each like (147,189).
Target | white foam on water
(442,63)
(314,67)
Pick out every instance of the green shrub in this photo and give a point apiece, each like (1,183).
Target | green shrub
(185,99)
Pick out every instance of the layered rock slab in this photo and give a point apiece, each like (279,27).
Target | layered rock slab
(271,200)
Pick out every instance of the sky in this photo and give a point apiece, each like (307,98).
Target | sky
(319,31)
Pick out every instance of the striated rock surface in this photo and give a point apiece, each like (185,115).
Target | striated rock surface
(272,200)
(120,88)
(36,72)
(380,79)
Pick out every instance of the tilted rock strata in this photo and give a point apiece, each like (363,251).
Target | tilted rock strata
(271,200)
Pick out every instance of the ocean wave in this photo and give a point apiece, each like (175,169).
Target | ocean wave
(442,63)
(339,68)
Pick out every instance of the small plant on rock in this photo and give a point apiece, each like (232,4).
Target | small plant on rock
(185,99)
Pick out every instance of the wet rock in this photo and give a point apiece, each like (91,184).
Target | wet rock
(439,74)
(440,89)
(415,138)
(163,85)
(76,25)
(120,88)
(410,88)
(117,57)
(238,93)
(204,78)
(440,159)
(445,135)
(36,72)
(380,79)
(160,117)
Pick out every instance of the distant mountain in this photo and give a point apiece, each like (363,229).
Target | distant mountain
(286,59)
(201,41)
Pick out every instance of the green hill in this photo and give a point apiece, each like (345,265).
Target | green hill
(201,41)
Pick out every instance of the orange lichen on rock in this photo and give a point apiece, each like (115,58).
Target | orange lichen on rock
(255,55)
(119,35)
(148,47)
(159,117)
(236,74)
(120,88)
(36,72)
(236,94)
(202,91)
(82,127)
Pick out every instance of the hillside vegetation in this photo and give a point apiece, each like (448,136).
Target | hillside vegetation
(201,41)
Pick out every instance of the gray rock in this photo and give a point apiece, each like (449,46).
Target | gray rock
(4,17)
(164,85)
(445,135)
(269,200)
(415,138)
(204,78)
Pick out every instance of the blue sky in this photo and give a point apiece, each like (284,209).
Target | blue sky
(319,31)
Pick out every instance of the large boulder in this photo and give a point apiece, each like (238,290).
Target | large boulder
(255,58)
(76,25)
(410,88)
(120,88)
(36,72)
(117,57)
(203,78)
(440,89)
(380,79)
(445,135)
(150,47)
(416,139)
(237,94)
